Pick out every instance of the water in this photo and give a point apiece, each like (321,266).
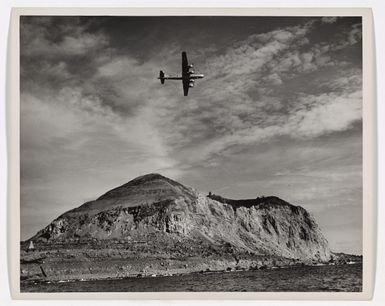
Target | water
(297,279)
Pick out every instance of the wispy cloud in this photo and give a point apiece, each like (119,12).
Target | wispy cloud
(71,38)
(247,109)
(332,19)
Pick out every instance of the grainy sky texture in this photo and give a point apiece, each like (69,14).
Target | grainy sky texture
(278,113)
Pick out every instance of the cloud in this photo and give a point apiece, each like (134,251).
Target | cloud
(246,110)
(350,38)
(329,19)
(248,73)
(268,59)
(274,79)
(73,40)
(317,115)
(236,117)
(309,116)
(350,81)
(251,54)
(78,138)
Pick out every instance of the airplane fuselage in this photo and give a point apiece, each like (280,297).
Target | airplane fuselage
(196,76)
(179,77)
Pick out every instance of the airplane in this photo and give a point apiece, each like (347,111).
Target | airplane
(188,76)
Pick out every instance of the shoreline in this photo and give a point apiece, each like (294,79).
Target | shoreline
(346,277)
(161,273)
(86,262)
(176,274)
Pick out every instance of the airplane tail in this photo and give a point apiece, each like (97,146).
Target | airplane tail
(161,77)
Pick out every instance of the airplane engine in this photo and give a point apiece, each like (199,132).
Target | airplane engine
(191,66)
(191,72)
(191,84)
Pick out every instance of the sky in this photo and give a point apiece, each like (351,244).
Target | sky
(279,112)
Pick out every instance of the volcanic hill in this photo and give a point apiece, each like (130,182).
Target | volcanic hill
(154,214)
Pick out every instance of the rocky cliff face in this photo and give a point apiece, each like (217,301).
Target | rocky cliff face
(153,207)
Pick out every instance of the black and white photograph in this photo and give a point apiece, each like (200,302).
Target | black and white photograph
(191,154)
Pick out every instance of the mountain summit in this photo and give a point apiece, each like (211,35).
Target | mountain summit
(152,183)
(171,217)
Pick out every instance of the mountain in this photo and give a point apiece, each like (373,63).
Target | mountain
(157,214)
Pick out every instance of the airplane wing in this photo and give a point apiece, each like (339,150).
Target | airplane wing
(184,63)
(185,74)
(186,86)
